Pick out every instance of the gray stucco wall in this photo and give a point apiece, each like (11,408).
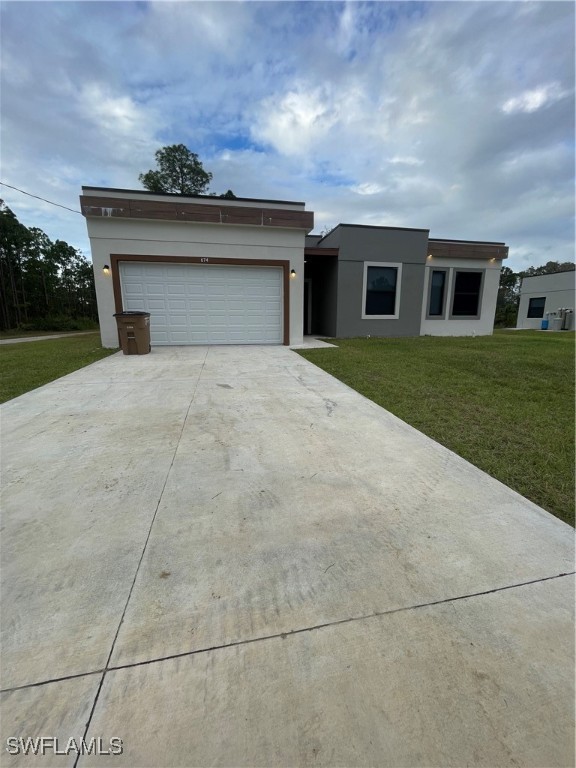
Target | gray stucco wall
(360,244)
(328,309)
(332,239)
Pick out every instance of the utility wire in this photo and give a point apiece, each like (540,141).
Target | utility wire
(40,198)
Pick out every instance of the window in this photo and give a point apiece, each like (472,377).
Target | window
(536,307)
(437,293)
(381,295)
(467,291)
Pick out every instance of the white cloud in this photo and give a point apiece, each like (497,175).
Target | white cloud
(367,188)
(297,122)
(396,160)
(117,114)
(454,116)
(534,99)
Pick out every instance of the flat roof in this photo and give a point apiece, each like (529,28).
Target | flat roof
(472,242)
(380,226)
(178,195)
(552,274)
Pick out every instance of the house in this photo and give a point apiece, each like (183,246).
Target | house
(393,281)
(543,296)
(210,271)
(246,271)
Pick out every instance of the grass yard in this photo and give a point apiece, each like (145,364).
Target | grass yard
(504,402)
(29,365)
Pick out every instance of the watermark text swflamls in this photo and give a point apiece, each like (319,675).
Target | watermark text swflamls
(52,745)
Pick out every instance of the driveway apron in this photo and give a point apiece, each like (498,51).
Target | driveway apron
(225,556)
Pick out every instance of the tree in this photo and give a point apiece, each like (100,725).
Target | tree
(549,268)
(508,298)
(179,171)
(43,285)
(14,237)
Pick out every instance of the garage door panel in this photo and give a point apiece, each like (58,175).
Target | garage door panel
(133,304)
(137,270)
(134,287)
(195,305)
(206,304)
(158,304)
(197,338)
(173,306)
(172,289)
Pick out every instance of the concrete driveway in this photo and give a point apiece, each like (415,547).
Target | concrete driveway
(223,556)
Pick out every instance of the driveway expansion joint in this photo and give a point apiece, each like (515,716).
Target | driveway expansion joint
(277,635)
(95,702)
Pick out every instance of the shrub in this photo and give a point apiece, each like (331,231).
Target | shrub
(59,323)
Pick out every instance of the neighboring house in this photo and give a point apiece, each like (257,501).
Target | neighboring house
(244,271)
(542,296)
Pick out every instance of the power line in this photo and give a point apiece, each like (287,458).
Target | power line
(40,198)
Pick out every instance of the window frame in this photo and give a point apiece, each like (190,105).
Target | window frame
(530,300)
(446,271)
(394,264)
(478,315)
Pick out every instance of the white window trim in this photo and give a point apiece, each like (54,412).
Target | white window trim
(397,265)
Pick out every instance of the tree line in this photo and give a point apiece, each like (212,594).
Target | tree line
(44,285)
(509,290)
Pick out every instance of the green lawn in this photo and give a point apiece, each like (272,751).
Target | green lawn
(30,364)
(504,402)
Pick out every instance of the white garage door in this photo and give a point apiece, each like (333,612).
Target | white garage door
(201,304)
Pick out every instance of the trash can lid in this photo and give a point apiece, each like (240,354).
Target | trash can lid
(131,312)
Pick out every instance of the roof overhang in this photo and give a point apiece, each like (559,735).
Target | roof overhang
(205,211)
(466,249)
(314,251)
(144,193)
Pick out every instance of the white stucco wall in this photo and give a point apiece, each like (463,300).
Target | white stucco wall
(161,238)
(484,325)
(558,290)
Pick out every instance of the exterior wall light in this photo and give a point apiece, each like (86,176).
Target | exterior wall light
(293,273)
(429,255)
(106,269)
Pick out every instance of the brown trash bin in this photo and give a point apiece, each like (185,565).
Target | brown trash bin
(134,332)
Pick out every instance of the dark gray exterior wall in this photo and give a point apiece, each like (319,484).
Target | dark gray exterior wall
(360,244)
(332,239)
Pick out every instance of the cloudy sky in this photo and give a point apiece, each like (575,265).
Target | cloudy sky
(453,116)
